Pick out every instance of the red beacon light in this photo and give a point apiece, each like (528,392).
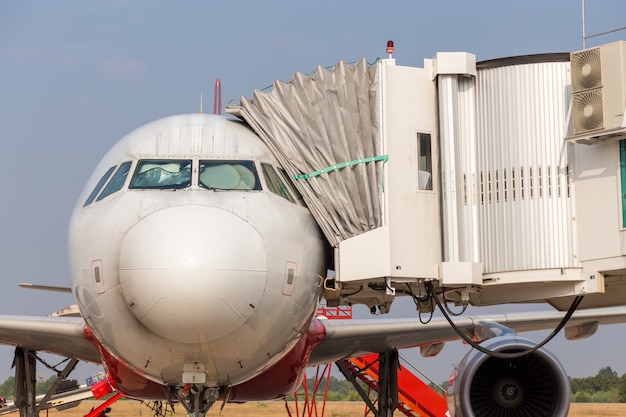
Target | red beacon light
(390,48)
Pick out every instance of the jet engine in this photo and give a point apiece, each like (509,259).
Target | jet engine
(534,384)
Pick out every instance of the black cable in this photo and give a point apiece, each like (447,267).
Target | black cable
(452,313)
(416,300)
(430,317)
(500,355)
(356,292)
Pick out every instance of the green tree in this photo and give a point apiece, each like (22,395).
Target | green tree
(354,396)
(605,387)
(613,394)
(582,384)
(581,397)
(622,389)
(605,379)
(44,386)
(7,389)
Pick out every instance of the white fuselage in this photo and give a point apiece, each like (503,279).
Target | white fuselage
(208,279)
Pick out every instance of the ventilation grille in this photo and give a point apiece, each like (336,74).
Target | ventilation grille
(586,69)
(588,111)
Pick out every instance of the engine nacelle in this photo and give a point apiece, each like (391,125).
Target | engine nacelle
(533,385)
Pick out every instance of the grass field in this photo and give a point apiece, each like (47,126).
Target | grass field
(277,409)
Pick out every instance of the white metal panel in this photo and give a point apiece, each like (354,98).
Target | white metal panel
(524,207)
(458,157)
(505,185)
(413,214)
(598,212)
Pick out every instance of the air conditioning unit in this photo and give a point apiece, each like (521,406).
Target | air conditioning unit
(598,87)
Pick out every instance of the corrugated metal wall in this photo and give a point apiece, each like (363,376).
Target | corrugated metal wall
(511,200)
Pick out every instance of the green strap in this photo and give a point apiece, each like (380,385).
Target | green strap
(342,165)
(622,167)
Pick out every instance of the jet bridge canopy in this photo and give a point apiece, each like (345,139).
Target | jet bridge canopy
(317,126)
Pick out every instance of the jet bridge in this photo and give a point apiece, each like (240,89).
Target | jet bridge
(487,180)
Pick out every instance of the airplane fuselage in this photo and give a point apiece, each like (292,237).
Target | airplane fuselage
(192,259)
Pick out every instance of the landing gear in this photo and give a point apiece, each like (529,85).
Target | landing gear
(25,382)
(196,399)
(25,364)
(387,384)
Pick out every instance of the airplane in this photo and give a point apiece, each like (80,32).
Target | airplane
(197,271)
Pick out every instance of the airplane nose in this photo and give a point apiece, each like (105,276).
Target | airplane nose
(191,273)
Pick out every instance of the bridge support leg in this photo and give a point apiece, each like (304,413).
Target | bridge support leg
(25,382)
(387,384)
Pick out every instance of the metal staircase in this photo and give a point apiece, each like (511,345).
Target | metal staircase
(399,389)
(415,397)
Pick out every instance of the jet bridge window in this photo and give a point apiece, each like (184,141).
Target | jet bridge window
(99,186)
(424,162)
(275,183)
(162,174)
(622,167)
(228,175)
(117,182)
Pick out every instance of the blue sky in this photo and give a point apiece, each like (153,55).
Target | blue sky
(75,76)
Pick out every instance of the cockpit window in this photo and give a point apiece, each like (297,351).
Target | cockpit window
(292,187)
(99,186)
(228,175)
(117,182)
(275,183)
(162,174)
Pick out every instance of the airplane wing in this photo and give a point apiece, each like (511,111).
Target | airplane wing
(59,335)
(343,338)
(351,338)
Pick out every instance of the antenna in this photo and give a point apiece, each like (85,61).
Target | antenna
(217,97)
(200,101)
(585,36)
